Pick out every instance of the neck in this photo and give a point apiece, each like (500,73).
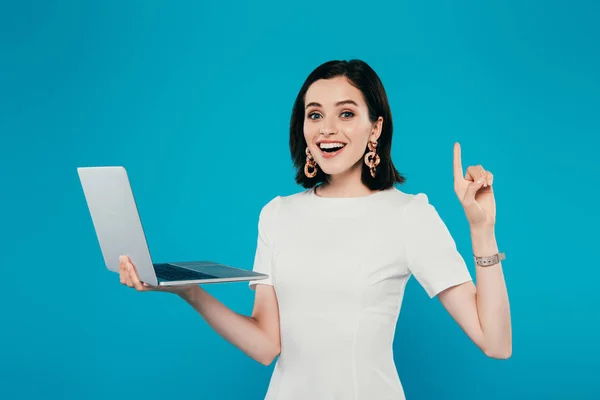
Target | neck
(345,184)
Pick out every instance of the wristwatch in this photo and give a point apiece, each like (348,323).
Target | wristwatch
(490,260)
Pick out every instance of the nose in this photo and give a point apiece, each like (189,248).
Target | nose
(327,127)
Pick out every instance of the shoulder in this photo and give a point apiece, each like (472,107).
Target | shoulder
(405,201)
(299,198)
(411,208)
(418,201)
(273,206)
(270,210)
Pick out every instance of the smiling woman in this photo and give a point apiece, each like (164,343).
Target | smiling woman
(343,106)
(338,260)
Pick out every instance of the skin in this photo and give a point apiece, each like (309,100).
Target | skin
(335,110)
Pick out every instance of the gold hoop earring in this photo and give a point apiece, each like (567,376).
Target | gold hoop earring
(372,158)
(310,168)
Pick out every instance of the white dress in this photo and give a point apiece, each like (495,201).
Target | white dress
(339,267)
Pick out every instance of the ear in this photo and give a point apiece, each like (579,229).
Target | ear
(377,127)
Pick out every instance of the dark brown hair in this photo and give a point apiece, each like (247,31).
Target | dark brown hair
(362,76)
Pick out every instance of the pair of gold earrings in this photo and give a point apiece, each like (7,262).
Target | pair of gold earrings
(371,160)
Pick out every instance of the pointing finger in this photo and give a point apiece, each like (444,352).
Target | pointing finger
(457,162)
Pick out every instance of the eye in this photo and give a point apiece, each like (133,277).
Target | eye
(347,114)
(313,115)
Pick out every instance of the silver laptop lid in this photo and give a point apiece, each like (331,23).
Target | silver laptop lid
(116,220)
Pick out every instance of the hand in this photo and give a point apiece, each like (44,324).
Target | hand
(129,277)
(475,193)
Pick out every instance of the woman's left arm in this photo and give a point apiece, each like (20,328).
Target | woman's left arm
(482,311)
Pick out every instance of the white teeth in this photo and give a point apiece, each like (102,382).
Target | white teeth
(331,145)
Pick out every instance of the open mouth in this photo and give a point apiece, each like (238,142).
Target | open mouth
(331,148)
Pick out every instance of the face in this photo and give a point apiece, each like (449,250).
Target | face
(337,127)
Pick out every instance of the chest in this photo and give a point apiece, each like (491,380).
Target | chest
(338,262)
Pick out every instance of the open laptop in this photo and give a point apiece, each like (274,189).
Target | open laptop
(119,230)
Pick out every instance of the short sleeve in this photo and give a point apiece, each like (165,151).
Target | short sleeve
(431,252)
(264,245)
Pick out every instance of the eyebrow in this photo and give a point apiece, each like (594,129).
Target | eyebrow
(339,103)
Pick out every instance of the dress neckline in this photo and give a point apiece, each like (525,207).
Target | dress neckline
(313,193)
(346,207)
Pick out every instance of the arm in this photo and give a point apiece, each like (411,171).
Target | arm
(483,312)
(256,335)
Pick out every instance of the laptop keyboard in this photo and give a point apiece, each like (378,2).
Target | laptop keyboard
(169,272)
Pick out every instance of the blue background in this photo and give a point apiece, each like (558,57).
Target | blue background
(194,99)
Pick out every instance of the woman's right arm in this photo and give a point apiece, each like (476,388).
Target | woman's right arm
(257,335)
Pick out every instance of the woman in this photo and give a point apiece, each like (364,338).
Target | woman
(339,253)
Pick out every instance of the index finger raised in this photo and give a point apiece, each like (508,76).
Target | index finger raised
(457,162)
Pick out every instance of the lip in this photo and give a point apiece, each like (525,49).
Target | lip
(330,155)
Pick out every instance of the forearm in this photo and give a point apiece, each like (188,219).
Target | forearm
(492,298)
(242,331)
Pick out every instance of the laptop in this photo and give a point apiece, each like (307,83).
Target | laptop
(119,231)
